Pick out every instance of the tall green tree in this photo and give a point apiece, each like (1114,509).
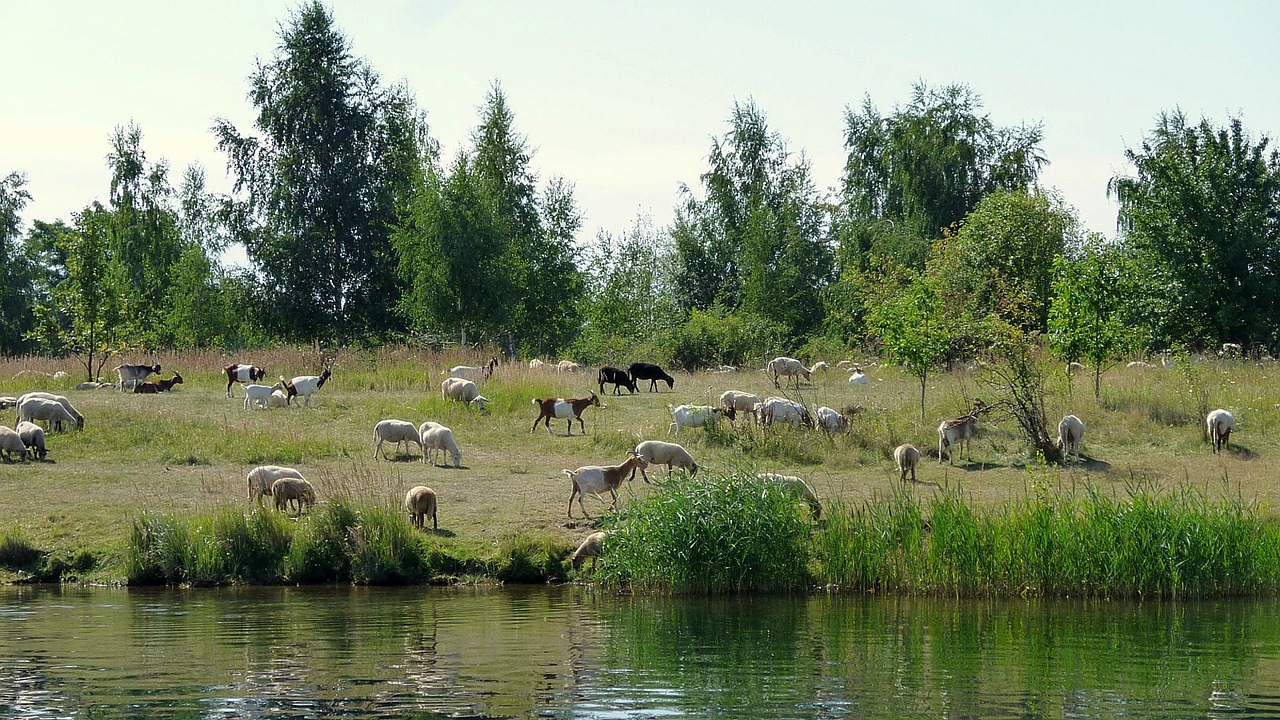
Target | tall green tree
(17,271)
(1087,320)
(335,162)
(629,296)
(912,329)
(926,165)
(755,239)
(1202,214)
(92,294)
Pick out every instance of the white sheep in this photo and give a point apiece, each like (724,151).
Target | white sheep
(1220,423)
(278,399)
(591,547)
(11,445)
(857,377)
(820,366)
(441,438)
(830,419)
(8,401)
(51,411)
(694,416)
(61,400)
(33,437)
(420,503)
(798,487)
(289,491)
(398,432)
(596,479)
(567,366)
(777,409)
(1070,436)
(741,402)
(906,457)
(463,390)
(657,452)
(261,478)
(787,367)
(536,364)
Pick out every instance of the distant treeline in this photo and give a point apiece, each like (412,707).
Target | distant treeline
(359,233)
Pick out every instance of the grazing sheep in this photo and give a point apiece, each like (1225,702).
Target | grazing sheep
(567,366)
(818,367)
(740,402)
(777,409)
(277,399)
(420,503)
(695,416)
(8,401)
(51,411)
(441,438)
(906,457)
(1070,435)
(306,386)
(241,373)
(829,419)
(798,487)
(289,491)
(536,364)
(959,431)
(786,367)
(464,391)
(61,400)
(11,445)
(568,410)
(396,431)
(1220,423)
(131,375)
(33,437)
(261,478)
(596,479)
(652,373)
(591,547)
(259,395)
(657,452)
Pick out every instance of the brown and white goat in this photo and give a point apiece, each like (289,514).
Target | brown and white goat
(241,373)
(151,388)
(569,410)
(596,479)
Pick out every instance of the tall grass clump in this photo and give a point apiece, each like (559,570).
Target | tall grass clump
(319,549)
(253,546)
(527,558)
(16,551)
(385,549)
(1052,544)
(719,534)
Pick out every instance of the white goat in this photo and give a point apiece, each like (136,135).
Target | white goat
(61,400)
(398,432)
(657,452)
(11,445)
(1220,423)
(33,437)
(857,377)
(694,416)
(463,390)
(1070,436)
(777,409)
(830,419)
(420,503)
(741,402)
(441,438)
(798,487)
(906,457)
(260,479)
(260,395)
(306,386)
(596,479)
(787,367)
(51,411)
(131,375)
(820,366)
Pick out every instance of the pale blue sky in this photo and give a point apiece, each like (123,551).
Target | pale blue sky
(622,99)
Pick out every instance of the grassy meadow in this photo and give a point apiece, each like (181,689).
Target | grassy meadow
(187,452)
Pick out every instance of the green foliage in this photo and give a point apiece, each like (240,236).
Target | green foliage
(710,535)
(16,551)
(717,337)
(384,549)
(90,296)
(17,270)
(912,329)
(318,551)
(926,165)
(1087,318)
(522,558)
(1200,215)
(253,546)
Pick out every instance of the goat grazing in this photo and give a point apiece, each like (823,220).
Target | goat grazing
(652,373)
(151,388)
(618,378)
(959,431)
(559,408)
(306,385)
(906,457)
(131,375)
(398,432)
(788,367)
(777,409)
(241,373)
(657,452)
(1070,436)
(695,416)
(260,395)
(1220,423)
(420,503)
(596,479)
(463,390)
(591,547)
(830,419)
(740,402)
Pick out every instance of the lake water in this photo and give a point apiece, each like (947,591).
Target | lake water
(575,652)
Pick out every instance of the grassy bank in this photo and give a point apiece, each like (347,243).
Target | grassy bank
(182,457)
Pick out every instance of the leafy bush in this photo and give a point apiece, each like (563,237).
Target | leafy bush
(719,337)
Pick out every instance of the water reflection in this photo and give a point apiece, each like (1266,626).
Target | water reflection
(574,652)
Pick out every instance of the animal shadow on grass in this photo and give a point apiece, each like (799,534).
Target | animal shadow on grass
(1090,464)
(450,467)
(1241,452)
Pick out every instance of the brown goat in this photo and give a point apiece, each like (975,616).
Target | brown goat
(151,388)
(570,410)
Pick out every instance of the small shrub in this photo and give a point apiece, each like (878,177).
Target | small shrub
(522,558)
(16,551)
(385,549)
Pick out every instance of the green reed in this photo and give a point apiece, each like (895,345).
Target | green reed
(710,534)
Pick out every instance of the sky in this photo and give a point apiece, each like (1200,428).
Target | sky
(623,99)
